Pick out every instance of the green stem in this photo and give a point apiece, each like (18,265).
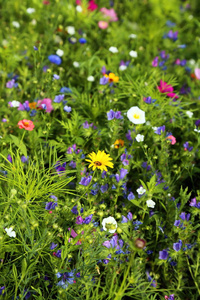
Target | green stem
(122,288)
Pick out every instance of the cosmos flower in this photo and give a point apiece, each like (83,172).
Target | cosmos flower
(100,160)
(103,24)
(110,14)
(47,104)
(26,124)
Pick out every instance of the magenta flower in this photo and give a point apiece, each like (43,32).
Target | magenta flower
(47,103)
(167,89)
(197,73)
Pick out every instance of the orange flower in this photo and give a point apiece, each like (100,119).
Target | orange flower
(32,105)
(119,143)
(26,124)
(112,77)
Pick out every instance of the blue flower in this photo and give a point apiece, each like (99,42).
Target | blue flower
(67,109)
(55,59)
(82,41)
(85,180)
(163,254)
(177,246)
(65,89)
(58,98)
(131,196)
(104,188)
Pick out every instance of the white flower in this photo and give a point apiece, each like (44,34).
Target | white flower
(155,128)
(192,62)
(30,10)
(10,232)
(109,224)
(71,30)
(60,52)
(76,64)
(113,49)
(148,123)
(15,103)
(122,67)
(57,39)
(189,114)
(197,130)
(136,115)
(150,203)
(79,8)
(139,138)
(4,43)
(16,24)
(133,53)
(90,78)
(141,190)
(132,36)
(33,22)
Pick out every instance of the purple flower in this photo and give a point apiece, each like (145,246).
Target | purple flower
(104,188)
(2,290)
(160,129)
(72,164)
(74,210)
(197,123)
(129,216)
(177,223)
(107,244)
(184,217)
(88,219)
(58,98)
(9,158)
(10,84)
(124,219)
(86,125)
(128,136)
(67,108)
(24,159)
(53,246)
(172,35)
(85,180)
(55,76)
(163,254)
(150,279)
(55,59)
(193,202)
(131,196)
(155,62)
(35,48)
(103,175)
(50,205)
(65,89)
(104,80)
(111,115)
(82,41)
(58,254)
(177,246)
(118,115)
(79,220)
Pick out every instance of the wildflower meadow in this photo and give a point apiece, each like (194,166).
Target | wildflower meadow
(99,150)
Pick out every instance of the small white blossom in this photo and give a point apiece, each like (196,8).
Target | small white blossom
(189,114)
(33,22)
(90,78)
(109,224)
(141,190)
(79,8)
(148,123)
(139,138)
(76,64)
(16,24)
(60,52)
(70,30)
(155,128)
(122,67)
(150,203)
(197,130)
(132,36)
(10,232)
(15,103)
(133,53)
(30,10)
(113,49)
(136,115)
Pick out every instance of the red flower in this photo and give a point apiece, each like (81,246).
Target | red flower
(26,124)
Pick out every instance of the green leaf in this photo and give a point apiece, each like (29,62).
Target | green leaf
(19,144)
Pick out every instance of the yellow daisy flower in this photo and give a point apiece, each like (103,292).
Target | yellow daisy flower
(100,160)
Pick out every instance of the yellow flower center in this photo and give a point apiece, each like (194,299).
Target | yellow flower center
(26,123)
(136,116)
(97,163)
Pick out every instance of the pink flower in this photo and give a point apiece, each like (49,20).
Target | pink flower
(164,87)
(78,2)
(26,124)
(103,24)
(110,13)
(46,104)
(167,89)
(92,5)
(173,95)
(74,234)
(197,73)
(172,139)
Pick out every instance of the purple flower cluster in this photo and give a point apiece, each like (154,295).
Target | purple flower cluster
(114,115)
